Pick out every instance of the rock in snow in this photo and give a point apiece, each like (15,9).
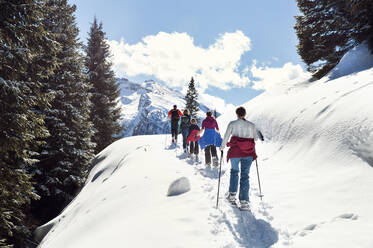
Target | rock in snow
(178,187)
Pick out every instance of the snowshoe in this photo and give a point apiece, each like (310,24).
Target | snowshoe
(244,206)
(231,197)
(197,159)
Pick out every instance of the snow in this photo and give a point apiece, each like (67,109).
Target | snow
(315,169)
(357,59)
(179,186)
(124,202)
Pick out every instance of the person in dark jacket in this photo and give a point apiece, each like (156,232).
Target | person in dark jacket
(210,130)
(184,126)
(241,152)
(174,116)
(193,139)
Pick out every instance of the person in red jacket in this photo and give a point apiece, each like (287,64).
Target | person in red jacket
(174,115)
(193,139)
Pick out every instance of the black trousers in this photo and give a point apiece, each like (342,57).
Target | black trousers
(210,151)
(174,129)
(193,147)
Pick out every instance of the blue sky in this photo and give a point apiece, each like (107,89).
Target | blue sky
(266,26)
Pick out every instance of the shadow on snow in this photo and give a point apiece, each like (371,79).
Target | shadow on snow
(252,232)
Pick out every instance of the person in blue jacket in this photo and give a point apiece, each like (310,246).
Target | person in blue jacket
(210,139)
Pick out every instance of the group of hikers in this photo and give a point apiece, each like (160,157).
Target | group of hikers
(207,137)
(240,137)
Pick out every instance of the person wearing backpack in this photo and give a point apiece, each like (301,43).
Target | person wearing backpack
(193,139)
(242,134)
(174,115)
(184,126)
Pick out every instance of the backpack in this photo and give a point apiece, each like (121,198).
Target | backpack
(185,121)
(174,115)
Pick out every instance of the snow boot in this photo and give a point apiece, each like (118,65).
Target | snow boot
(215,161)
(231,197)
(197,159)
(244,205)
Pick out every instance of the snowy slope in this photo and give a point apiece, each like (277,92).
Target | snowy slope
(125,204)
(316,169)
(145,107)
(317,163)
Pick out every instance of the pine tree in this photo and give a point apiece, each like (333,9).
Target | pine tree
(105,113)
(323,33)
(362,16)
(191,99)
(329,28)
(27,53)
(65,158)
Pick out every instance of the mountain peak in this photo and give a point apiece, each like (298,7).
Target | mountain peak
(145,106)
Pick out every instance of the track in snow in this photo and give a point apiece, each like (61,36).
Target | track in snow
(231,227)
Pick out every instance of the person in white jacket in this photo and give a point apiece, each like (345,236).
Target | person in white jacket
(243,134)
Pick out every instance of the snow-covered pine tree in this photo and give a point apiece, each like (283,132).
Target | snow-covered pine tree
(105,113)
(65,158)
(329,28)
(362,16)
(191,99)
(324,33)
(27,57)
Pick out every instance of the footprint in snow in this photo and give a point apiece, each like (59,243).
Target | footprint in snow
(350,216)
(312,227)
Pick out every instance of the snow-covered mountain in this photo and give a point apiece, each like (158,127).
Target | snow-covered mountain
(145,107)
(316,170)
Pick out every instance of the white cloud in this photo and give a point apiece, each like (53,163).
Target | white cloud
(271,77)
(174,58)
(216,103)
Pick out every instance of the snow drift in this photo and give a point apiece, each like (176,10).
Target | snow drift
(357,59)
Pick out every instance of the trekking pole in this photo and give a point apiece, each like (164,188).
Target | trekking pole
(221,160)
(257,172)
